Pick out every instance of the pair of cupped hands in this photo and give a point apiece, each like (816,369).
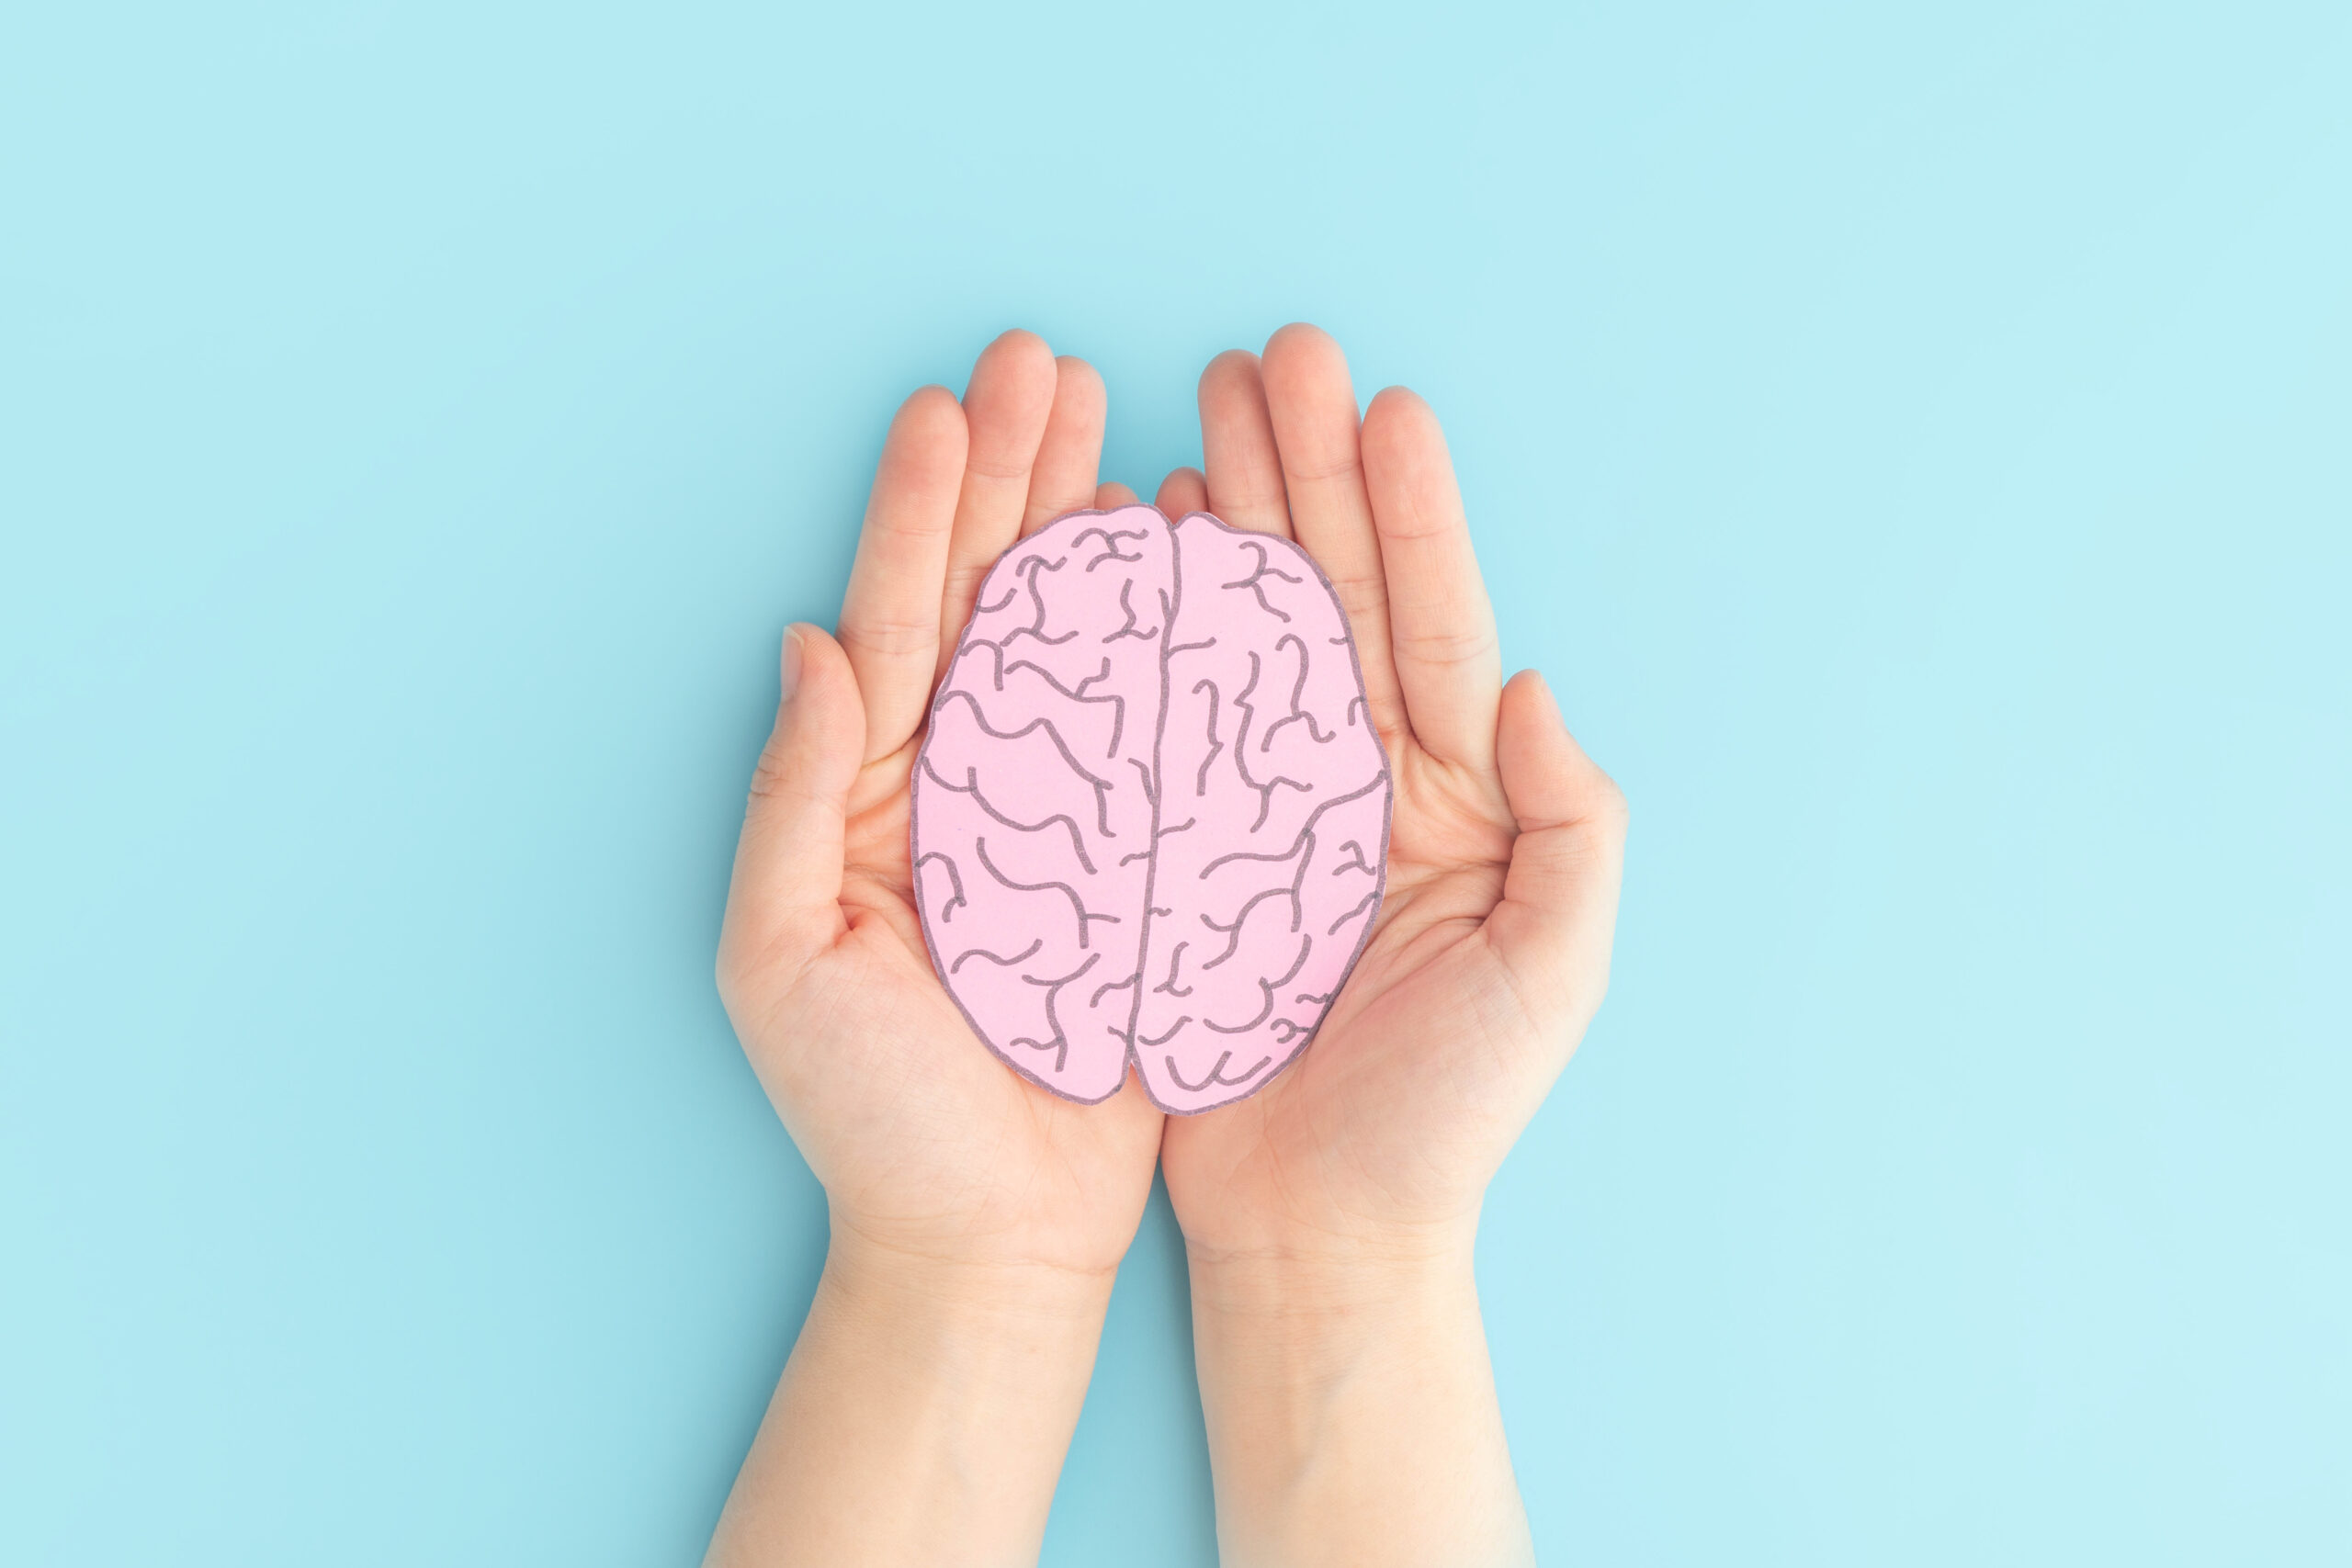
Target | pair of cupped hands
(1369,1157)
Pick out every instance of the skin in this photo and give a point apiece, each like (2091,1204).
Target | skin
(978,1220)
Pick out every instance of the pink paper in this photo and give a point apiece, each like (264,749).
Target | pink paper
(1151,816)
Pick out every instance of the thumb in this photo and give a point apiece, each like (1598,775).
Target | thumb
(784,906)
(1554,926)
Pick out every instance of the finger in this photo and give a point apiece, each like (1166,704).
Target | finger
(1006,405)
(1111,496)
(1554,925)
(1441,626)
(889,625)
(1311,405)
(1186,490)
(783,904)
(1245,475)
(1071,451)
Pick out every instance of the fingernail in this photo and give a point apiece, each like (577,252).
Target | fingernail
(791,663)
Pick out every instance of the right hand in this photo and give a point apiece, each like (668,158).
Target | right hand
(927,1147)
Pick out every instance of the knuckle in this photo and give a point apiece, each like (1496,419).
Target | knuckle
(1448,649)
(888,637)
(1610,796)
(1004,469)
(1324,470)
(964,580)
(1365,603)
(1249,498)
(1412,528)
(1607,813)
(773,776)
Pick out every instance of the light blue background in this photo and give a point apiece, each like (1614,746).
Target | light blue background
(1917,442)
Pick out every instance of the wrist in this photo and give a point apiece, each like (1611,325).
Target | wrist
(1300,1269)
(923,1413)
(1311,1313)
(1330,1375)
(993,1353)
(880,1280)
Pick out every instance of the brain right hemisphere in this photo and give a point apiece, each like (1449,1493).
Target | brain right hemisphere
(1151,816)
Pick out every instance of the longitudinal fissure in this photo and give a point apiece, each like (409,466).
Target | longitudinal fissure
(1174,602)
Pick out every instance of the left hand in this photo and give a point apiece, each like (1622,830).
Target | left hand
(1330,1218)
(1491,950)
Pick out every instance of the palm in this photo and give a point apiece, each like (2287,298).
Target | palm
(1337,1144)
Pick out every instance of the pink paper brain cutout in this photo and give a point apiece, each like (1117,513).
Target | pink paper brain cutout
(1151,814)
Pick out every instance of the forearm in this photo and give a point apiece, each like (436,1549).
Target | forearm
(1351,1413)
(922,1418)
